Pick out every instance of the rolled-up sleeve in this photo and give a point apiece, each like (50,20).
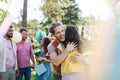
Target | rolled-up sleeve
(5,25)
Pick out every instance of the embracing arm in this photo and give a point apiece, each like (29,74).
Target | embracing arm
(58,59)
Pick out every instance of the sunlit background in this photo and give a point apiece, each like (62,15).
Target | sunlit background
(98,32)
(97,8)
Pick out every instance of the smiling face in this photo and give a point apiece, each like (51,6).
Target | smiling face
(24,35)
(9,33)
(59,33)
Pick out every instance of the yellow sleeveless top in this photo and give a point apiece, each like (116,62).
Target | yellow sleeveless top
(70,67)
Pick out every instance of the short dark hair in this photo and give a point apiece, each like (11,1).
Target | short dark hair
(54,25)
(11,26)
(23,29)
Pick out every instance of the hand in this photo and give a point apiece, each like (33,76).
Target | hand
(17,72)
(70,46)
(44,59)
(47,60)
(77,58)
(33,65)
(40,59)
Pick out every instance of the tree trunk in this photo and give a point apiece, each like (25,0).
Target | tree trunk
(24,18)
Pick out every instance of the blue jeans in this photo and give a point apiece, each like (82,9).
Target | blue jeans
(24,71)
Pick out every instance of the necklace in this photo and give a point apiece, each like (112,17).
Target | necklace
(10,46)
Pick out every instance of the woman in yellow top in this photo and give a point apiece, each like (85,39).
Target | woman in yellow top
(72,70)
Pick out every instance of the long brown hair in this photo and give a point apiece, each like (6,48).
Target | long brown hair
(46,42)
(72,35)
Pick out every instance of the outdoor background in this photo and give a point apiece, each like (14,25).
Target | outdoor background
(96,20)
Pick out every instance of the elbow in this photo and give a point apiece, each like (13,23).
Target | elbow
(56,63)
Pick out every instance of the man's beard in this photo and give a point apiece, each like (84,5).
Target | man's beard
(24,38)
(9,36)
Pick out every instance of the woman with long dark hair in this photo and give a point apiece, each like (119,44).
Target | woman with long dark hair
(44,58)
(72,70)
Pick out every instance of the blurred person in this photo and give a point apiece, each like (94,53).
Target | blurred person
(24,54)
(44,58)
(56,56)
